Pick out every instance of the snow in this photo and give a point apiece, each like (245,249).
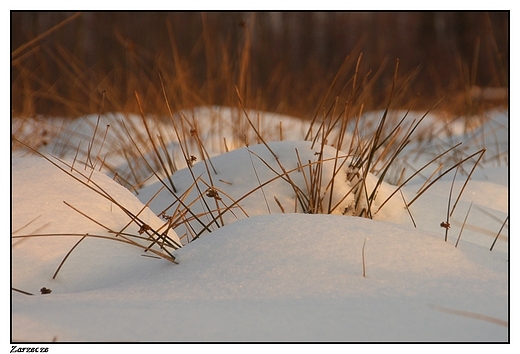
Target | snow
(267,274)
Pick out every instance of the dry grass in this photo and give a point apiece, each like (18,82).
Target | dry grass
(149,146)
(146,237)
(205,69)
(369,150)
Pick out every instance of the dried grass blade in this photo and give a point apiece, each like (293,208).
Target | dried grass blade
(173,193)
(279,204)
(408,209)
(463,224)
(67,256)
(442,175)
(21,291)
(24,226)
(474,315)
(258,179)
(498,234)
(329,90)
(156,150)
(467,179)
(447,224)
(91,143)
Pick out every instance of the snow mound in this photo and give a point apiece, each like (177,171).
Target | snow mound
(290,278)
(277,177)
(39,193)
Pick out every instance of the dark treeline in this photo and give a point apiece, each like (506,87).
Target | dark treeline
(279,61)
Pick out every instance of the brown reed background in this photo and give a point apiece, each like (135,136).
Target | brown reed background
(280,61)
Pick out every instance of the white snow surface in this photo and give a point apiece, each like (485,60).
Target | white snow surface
(265,277)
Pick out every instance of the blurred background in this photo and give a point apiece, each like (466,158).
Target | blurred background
(71,64)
